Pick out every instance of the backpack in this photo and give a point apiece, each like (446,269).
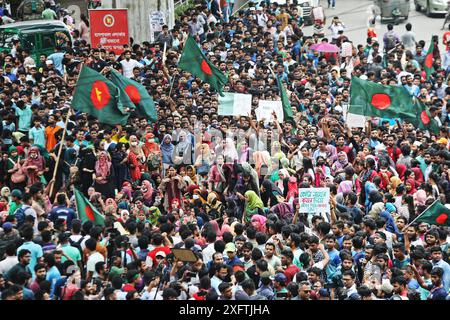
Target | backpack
(154,161)
(390,44)
(20,215)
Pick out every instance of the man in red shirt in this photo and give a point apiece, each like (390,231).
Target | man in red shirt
(392,149)
(340,146)
(158,242)
(288,268)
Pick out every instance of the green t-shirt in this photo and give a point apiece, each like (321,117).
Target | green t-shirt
(24,115)
(72,252)
(49,14)
(13,207)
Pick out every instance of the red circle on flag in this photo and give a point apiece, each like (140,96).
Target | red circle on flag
(429,61)
(100,95)
(442,218)
(381,101)
(206,68)
(424,117)
(89,213)
(133,93)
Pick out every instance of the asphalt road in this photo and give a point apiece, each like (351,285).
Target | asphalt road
(355,14)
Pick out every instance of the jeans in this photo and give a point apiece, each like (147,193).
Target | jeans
(332,3)
(225,14)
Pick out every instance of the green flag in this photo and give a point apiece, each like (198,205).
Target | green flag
(194,61)
(86,211)
(428,63)
(99,97)
(424,120)
(135,96)
(372,99)
(287,109)
(436,214)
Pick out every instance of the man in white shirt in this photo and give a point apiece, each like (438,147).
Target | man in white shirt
(93,258)
(129,64)
(10,260)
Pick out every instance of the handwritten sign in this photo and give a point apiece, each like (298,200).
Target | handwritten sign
(314,200)
(235,104)
(266,108)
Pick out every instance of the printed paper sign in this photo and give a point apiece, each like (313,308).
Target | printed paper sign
(314,200)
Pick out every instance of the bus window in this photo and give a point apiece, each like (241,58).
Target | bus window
(29,41)
(48,40)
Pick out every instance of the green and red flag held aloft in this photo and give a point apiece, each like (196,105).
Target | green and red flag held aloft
(136,96)
(287,109)
(99,97)
(424,119)
(87,211)
(436,214)
(194,61)
(372,99)
(428,62)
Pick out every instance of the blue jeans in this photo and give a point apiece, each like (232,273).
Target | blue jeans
(332,3)
(225,14)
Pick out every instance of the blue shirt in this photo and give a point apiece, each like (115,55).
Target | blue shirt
(36,253)
(38,136)
(57,59)
(446,277)
(333,265)
(62,212)
(53,275)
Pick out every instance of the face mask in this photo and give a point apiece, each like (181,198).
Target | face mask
(33,156)
(195,196)
(134,144)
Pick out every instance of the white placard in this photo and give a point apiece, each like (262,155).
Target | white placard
(235,104)
(314,200)
(266,108)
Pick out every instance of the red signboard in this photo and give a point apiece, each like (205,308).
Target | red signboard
(109,29)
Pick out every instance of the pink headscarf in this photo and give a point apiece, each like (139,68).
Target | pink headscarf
(259,222)
(420,197)
(103,165)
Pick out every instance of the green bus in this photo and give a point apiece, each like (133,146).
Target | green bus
(38,36)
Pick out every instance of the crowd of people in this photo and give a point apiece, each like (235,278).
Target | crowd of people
(225,188)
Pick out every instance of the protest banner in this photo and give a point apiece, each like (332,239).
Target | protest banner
(109,29)
(157,20)
(266,108)
(235,104)
(314,200)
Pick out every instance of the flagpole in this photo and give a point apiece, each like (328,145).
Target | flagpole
(171,86)
(421,213)
(55,171)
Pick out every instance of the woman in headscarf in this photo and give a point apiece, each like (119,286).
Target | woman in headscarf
(217,179)
(253,205)
(171,187)
(376,204)
(292,190)
(282,181)
(86,168)
(263,163)
(104,175)
(259,223)
(341,163)
(119,161)
(214,206)
(34,166)
(418,176)
(136,159)
(167,149)
(191,176)
(182,151)
(14,160)
(270,193)
(410,185)
(204,159)
(394,183)
(244,152)
(249,177)
(150,146)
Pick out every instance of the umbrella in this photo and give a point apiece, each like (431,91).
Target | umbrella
(325,47)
